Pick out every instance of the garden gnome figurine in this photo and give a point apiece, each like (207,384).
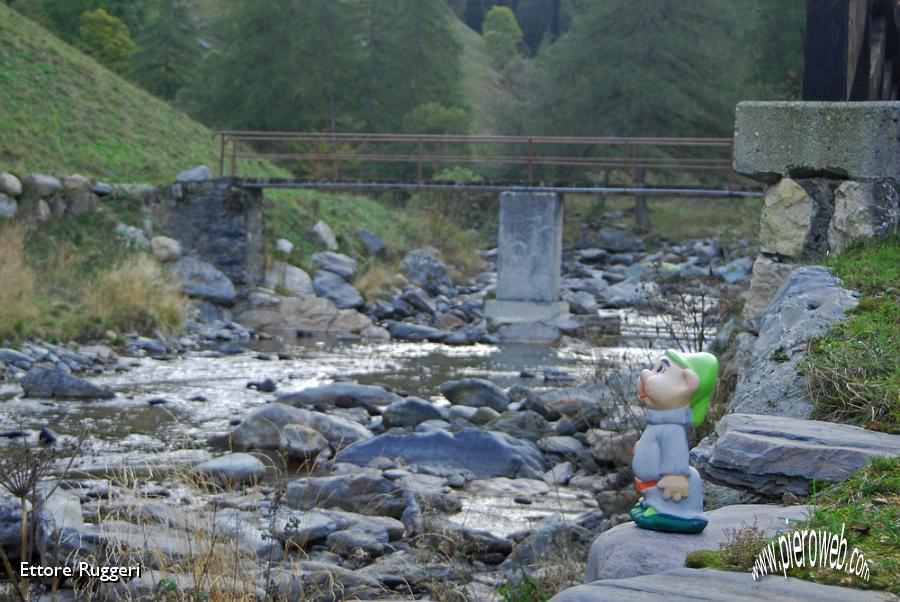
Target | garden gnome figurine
(677,392)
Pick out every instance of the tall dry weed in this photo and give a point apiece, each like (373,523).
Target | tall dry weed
(17,283)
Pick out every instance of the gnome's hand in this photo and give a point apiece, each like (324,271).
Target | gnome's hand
(674,486)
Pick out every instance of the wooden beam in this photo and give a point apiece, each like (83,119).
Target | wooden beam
(825,74)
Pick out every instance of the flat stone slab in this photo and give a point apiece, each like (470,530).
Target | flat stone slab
(848,140)
(627,550)
(771,455)
(712,585)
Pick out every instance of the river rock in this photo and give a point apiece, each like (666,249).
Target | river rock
(42,185)
(341,395)
(165,248)
(290,279)
(710,585)
(539,333)
(8,207)
(735,271)
(56,384)
(862,210)
(284,246)
(485,453)
(581,302)
(560,444)
(262,428)
(324,233)
(366,490)
(404,331)
(772,455)
(337,290)
(10,524)
(475,392)
(425,268)
(616,240)
(613,447)
(10,184)
(197,174)
(302,442)
(807,306)
(204,281)
(622,551)
(525,424)
(59,528)
(134,235)
(232,469)
(420,300)
(350,320)
(336,263)
(374,245)
(628,293)
(410,412)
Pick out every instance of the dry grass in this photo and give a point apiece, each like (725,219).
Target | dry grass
(379,278)
(136,294)
(17,283)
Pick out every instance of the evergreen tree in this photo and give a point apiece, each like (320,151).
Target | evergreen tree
(474,14)
(168,49)
(639,68)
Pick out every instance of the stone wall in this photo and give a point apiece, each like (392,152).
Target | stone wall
(833,175)
(219,222)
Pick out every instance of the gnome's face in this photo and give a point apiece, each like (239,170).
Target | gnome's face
(667,385)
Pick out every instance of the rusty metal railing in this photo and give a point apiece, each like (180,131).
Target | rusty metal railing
(524,160)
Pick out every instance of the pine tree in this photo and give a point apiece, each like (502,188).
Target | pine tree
(638,68)
(168,49)
(502,34)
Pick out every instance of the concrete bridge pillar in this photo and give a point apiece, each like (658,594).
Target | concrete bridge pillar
(529,258)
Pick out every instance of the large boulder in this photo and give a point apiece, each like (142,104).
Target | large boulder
(581,302)
(264,428)
(425,268)
(475,392)
(373,243)
(624,550)
(56,384)
(341,395)
(204,281)
(807,306)
(619,241)
(292,280)
(337,290)
(862,210)
(772,455)
(336,263)
(404,331)
(485,453)
(366,491)
(710,585)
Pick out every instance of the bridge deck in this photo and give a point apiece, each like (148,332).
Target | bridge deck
(495,187)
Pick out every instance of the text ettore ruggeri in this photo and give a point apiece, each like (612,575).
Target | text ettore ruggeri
(81,570)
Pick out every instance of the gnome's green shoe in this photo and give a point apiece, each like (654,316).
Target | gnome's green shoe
(648,518)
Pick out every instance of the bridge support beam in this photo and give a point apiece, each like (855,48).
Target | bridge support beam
(529,258)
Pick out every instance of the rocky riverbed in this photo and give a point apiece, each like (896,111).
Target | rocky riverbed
(405,447)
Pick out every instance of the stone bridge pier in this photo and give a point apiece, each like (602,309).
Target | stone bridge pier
(529,258)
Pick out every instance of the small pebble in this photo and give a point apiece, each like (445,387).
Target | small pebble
(520,499)
(157,401)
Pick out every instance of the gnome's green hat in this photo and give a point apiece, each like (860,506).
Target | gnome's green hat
(706,367)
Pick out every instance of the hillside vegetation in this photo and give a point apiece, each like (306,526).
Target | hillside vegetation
(62,112)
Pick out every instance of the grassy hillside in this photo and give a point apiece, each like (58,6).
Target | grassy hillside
(60,111)
(482,88)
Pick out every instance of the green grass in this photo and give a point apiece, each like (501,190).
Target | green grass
(482,85)
(866,505)
(727,220)
(62,112)
(854,371)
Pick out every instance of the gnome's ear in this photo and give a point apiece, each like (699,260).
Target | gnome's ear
(691,380)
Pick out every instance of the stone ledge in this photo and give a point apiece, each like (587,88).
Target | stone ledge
(858,140)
